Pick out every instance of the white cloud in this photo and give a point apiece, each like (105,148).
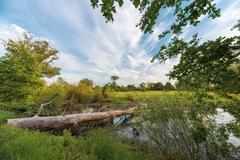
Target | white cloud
(91,48)
(114,48)
(222,25)
(70,62)
(111,48)
(12,31)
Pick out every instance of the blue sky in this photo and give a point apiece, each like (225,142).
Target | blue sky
(89,47)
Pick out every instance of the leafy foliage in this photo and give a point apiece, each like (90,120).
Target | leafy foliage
(186,12)
(114,77)
(23,66)
(214,63)
(67,96)
(185,129)
(169,86)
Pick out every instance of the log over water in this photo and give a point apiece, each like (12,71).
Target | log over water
(56,122)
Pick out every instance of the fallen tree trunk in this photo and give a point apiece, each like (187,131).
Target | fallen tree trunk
(56,122)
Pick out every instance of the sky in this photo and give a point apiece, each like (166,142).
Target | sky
(91,48)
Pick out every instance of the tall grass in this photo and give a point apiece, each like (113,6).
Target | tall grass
(18,144)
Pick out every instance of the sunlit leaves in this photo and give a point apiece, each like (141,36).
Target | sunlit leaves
(24,66)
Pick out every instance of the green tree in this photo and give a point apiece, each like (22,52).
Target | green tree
(169,86)
(113,85)
(114,78)
(158,86)
(87,82)
(131,87)
(143,86)
(23,67)
(214,63)
(150,85)
(186,12)
(180,86)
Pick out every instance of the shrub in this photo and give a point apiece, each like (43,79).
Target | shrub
(65,96)
(22,108)
(28,109)
(184,130)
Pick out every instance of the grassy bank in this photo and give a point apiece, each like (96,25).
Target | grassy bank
(18,144)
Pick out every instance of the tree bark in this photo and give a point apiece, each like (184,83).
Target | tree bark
(56,122)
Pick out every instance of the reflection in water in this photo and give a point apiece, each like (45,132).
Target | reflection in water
(221,118)
(128,130)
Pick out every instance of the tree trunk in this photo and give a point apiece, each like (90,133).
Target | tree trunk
(56,122)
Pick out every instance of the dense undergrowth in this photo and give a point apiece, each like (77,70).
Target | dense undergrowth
(18,144)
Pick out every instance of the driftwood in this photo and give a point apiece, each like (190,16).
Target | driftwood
(56,122)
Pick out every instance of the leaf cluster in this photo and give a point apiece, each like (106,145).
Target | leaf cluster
(214,63)
(185,11)
(22,69)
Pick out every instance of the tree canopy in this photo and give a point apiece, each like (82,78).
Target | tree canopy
(87,82)
(114,78)
(22,69)
(213,63)
(186,12)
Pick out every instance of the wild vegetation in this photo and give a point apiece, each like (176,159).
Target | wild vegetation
(26,145)
(179,119)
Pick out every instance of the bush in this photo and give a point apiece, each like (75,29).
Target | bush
(65,96)
(184,130)
(21,108)
(28,109)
